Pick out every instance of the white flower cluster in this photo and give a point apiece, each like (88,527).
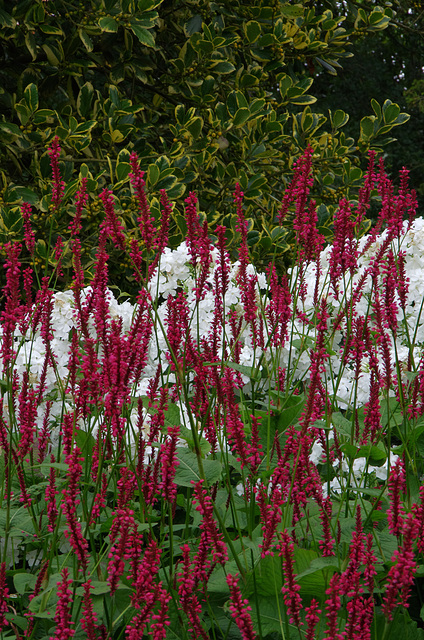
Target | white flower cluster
(409,339)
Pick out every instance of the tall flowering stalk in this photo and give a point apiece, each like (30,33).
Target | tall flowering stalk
(58,186)
(290,588)
(208,526)
(63,618)
(69,506)
(145,219)
(401,574)
(4,593)
(239,609)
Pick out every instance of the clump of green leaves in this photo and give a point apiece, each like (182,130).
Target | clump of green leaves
(206,93)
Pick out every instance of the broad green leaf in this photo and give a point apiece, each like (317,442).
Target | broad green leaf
(250,372)
(86,40)
(44,115)
(401,119)
(195,127)
(303,99)
(51,55)
(315,571)
(343,425)
(188,469)
(31,96)
(267,617)
(51,30)
(108,24)
(367,127)
(98,588)
(391,113)
(7,20)
(252,29)
(10,128)
(172,415)
(153,173)
(122,170)
(376,108)
(340,118)
(223,67)
(292,11)
(27,195)
(23,112)
(23,580)
(84,99)
(241,116)
(144,36)
(284,85)
(194,25)
(31,44)
(289,414)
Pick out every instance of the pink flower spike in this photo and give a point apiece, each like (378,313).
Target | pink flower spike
(291,588)
(63,617)
(240,609)
(89,619)
(145,219)
(111,225)
(58,184)
(333,606)
(81,200)
(312,619)
(4,593)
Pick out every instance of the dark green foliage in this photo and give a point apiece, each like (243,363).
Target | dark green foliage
(207,94)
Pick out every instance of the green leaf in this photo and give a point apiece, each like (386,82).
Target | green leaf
(289,414)
(367,127)
(31,96)
(27,195)
(292,11)
(340,118)
(98,588)
(84,99)
(10,128)
(223,67)
(6,20)
(252,30)
(376,108)
(284,85)
(31,45)
(50,30)
(23,580)
(250,372)
(108,24)
(172,415)
(401,119)
(266,616)
(194,25)
(188,469)
(122,170)
(23,112)
(144,36)
(241,116)
(153,173)
(194,126)
(303,99)
(44,115)
(343,425)
(313,572)
(51,55)
(86,40)
(391,112)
